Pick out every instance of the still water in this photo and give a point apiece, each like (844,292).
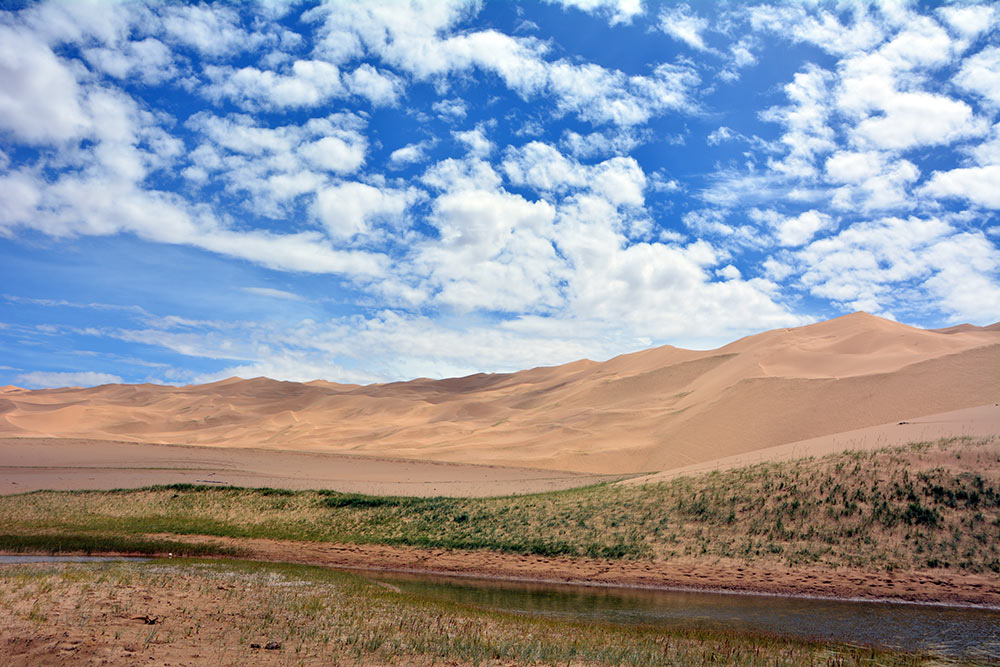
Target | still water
(949,631)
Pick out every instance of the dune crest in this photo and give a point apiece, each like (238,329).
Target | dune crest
(656,409)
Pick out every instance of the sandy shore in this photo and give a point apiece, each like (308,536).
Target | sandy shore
(32,464)
(715,574)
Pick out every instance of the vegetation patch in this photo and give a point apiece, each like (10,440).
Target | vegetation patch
(928,505)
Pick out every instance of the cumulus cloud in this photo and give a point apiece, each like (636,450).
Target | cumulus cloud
(542,167)
(454,109)
(981,74)
(342,152)
(617,11)
(901,264)
(409,154)
(212,31)
(40,99)
(681,24)
(350,209)
(976,184)
(476,141)
(797,230)
(412,38)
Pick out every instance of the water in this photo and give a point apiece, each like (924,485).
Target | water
(949,631)
(26,558)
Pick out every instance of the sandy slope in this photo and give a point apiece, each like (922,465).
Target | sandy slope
(978,422)
(658,409)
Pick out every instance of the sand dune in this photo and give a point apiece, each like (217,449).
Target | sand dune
(653,410)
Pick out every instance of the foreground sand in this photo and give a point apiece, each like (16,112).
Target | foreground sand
(655,410)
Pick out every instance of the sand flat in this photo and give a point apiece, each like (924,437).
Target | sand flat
(32,464)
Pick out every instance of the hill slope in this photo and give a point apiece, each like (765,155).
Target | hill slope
(652,410)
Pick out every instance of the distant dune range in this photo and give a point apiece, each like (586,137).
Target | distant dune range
(655,410)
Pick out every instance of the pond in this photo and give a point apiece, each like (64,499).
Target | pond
(959,632)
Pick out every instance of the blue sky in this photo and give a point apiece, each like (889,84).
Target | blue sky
(376,191)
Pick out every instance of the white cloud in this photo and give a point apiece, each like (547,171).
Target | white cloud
(988,151)
(272,293)
(680,24)
(211,30)
(409,154)
(51,380)
(872,180)
(413,37)
(454,109)
(542,167)
(719,135)
(380,88)
(854,166)
(977,184)
(40,100)
(797,230)
(617,11)
(149,60)
(971,21)
(821,28)
(341,153)
(476,141)
(981,74)
(917,119)
(467,174)
(307,84)
(620,141)
(807,130)
(350,209)
(494,252)
(906,264)
(275,165)
(79,205)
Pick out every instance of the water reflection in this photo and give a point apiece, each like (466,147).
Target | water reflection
(950,631)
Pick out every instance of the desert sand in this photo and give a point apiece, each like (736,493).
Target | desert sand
(34,464)
(656,410)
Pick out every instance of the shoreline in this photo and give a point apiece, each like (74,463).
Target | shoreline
(716,575)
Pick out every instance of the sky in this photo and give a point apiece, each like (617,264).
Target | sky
(377,191)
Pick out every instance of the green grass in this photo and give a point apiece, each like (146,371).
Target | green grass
(320,616)
(100,543)
(912,507)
